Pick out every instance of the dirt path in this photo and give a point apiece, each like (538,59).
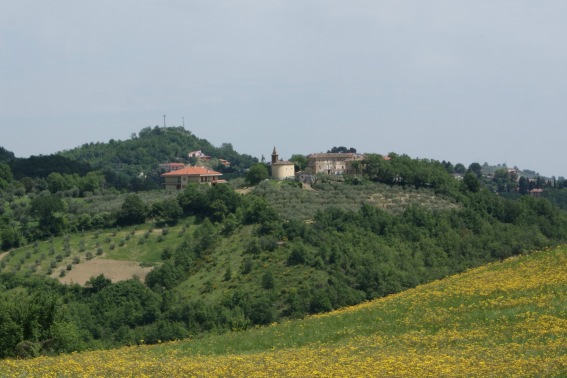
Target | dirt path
(2,255)
(112,269)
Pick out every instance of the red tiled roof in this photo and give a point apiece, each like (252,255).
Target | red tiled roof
(193,171)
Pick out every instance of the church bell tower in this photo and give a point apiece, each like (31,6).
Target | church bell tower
(274,156)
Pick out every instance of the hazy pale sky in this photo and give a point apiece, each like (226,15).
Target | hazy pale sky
(465,81)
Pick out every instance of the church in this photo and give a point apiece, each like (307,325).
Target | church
(281,169)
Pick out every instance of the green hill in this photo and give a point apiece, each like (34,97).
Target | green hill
(209,260)
(131,164)
(503,319)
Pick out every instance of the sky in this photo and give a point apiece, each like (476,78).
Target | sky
(462,81)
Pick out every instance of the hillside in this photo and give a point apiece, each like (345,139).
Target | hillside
(212,261)
(502,319)
(209,260)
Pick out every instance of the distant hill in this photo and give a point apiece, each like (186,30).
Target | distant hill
(131,164)
(140,156)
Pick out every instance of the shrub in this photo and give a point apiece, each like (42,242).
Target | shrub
(247,266)
(166,254)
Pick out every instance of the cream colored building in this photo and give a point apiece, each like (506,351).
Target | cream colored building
(330,163)
(281,169)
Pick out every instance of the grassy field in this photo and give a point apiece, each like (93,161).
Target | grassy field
(500,320)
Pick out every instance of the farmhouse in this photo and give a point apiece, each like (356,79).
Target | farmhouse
(180,178)
(330,163)
(199,155)
(281,169)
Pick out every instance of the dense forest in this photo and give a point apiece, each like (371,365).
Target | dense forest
(227,261)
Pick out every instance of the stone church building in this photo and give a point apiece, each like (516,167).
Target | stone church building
(281,169)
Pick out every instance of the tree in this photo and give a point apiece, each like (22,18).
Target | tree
(341,149)
(300,161)
(47,208)
(5,175)
(132,211)
(10,238)
(523,186)
(459,168)
(98,283)
(169,210)
(256,174)
(476,169)
(56,182)
(193,200)
(91,182)
(6,156)
(471,182)
(268,281)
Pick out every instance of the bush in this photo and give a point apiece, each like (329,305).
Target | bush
(27,349)
(247,266)
(268,281)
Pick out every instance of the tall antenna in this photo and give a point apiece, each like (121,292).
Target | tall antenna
(183,122)
(164,120)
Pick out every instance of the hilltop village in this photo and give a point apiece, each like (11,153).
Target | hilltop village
(177,176)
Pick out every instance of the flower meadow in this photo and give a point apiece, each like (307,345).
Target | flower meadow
(505,319)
